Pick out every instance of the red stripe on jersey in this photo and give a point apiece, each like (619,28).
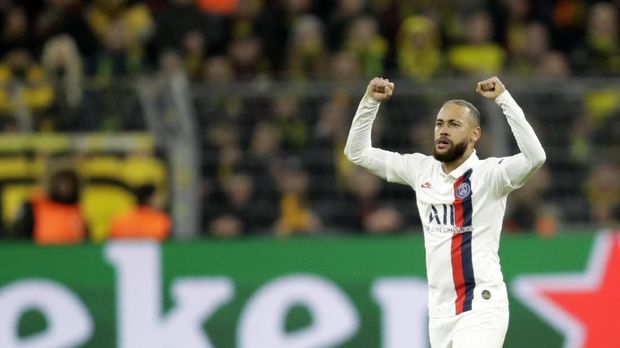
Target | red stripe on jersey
(457,272)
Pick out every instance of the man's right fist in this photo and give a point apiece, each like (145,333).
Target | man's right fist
(380,89)
(490,88)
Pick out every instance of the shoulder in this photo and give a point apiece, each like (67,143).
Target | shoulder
(405,168)
(490,162)
(489,167)
(420,157)
(417,160)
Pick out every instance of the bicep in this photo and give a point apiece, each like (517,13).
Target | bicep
(374,160)
(402,169)
(391,166)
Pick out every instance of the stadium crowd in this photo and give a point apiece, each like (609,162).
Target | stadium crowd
(275,165)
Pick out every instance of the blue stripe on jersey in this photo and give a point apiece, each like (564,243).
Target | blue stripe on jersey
(468,271)
(468,268)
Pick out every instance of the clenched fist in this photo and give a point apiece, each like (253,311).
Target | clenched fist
(490,88)
(380,89)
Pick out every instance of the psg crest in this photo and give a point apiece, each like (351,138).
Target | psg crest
(463,190)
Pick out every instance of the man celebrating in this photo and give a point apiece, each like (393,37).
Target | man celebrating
(461,200)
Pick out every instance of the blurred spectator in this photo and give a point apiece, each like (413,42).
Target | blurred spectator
(330,169)
(477,55)
(120,54)
(119,61)
(264,149)
(340,19)
(390,15)
(14,30)
(600,52)
(246,57)
(529,210)
(419,54)
(180,17)
(123,27)
(25,91)
(240,211)
(365,42)
(365,209)
(248,18)
(65,17)
(306,49)
(598,125)
(515,19)
(217,105)
(63,65)
(102,14)
(225,140)
(218,70)
(54,216)
(344,67)
(553,65)
(528,52)
(602,190)
(277,21)
(296,212)
(566,17)
(170,64)
(194,53)
(147,220)
(288,118)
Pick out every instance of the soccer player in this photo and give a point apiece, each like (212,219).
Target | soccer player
(461,200)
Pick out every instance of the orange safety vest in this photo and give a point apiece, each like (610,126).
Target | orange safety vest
(57,223)
(141,223)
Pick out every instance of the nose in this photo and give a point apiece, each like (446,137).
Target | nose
(443,130)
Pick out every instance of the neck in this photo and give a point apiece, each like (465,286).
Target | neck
(450,166)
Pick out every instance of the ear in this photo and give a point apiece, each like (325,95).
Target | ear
(476,133)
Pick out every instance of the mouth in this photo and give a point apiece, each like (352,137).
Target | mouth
(442,143)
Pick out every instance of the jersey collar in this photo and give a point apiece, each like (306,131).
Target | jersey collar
(465,166)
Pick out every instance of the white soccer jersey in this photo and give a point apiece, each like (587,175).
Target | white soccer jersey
(461,214)
(461,211)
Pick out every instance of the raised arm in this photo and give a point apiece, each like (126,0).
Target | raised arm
(521,166)
(359,148)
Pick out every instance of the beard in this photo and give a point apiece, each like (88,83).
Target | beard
(453,153)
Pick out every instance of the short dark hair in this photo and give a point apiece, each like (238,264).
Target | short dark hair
(473,111)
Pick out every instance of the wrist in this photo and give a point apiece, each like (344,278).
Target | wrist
(503,97)
(367,98)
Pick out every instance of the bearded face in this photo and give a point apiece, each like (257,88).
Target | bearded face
(444,150)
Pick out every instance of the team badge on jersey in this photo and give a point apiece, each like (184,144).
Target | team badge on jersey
(463,191)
